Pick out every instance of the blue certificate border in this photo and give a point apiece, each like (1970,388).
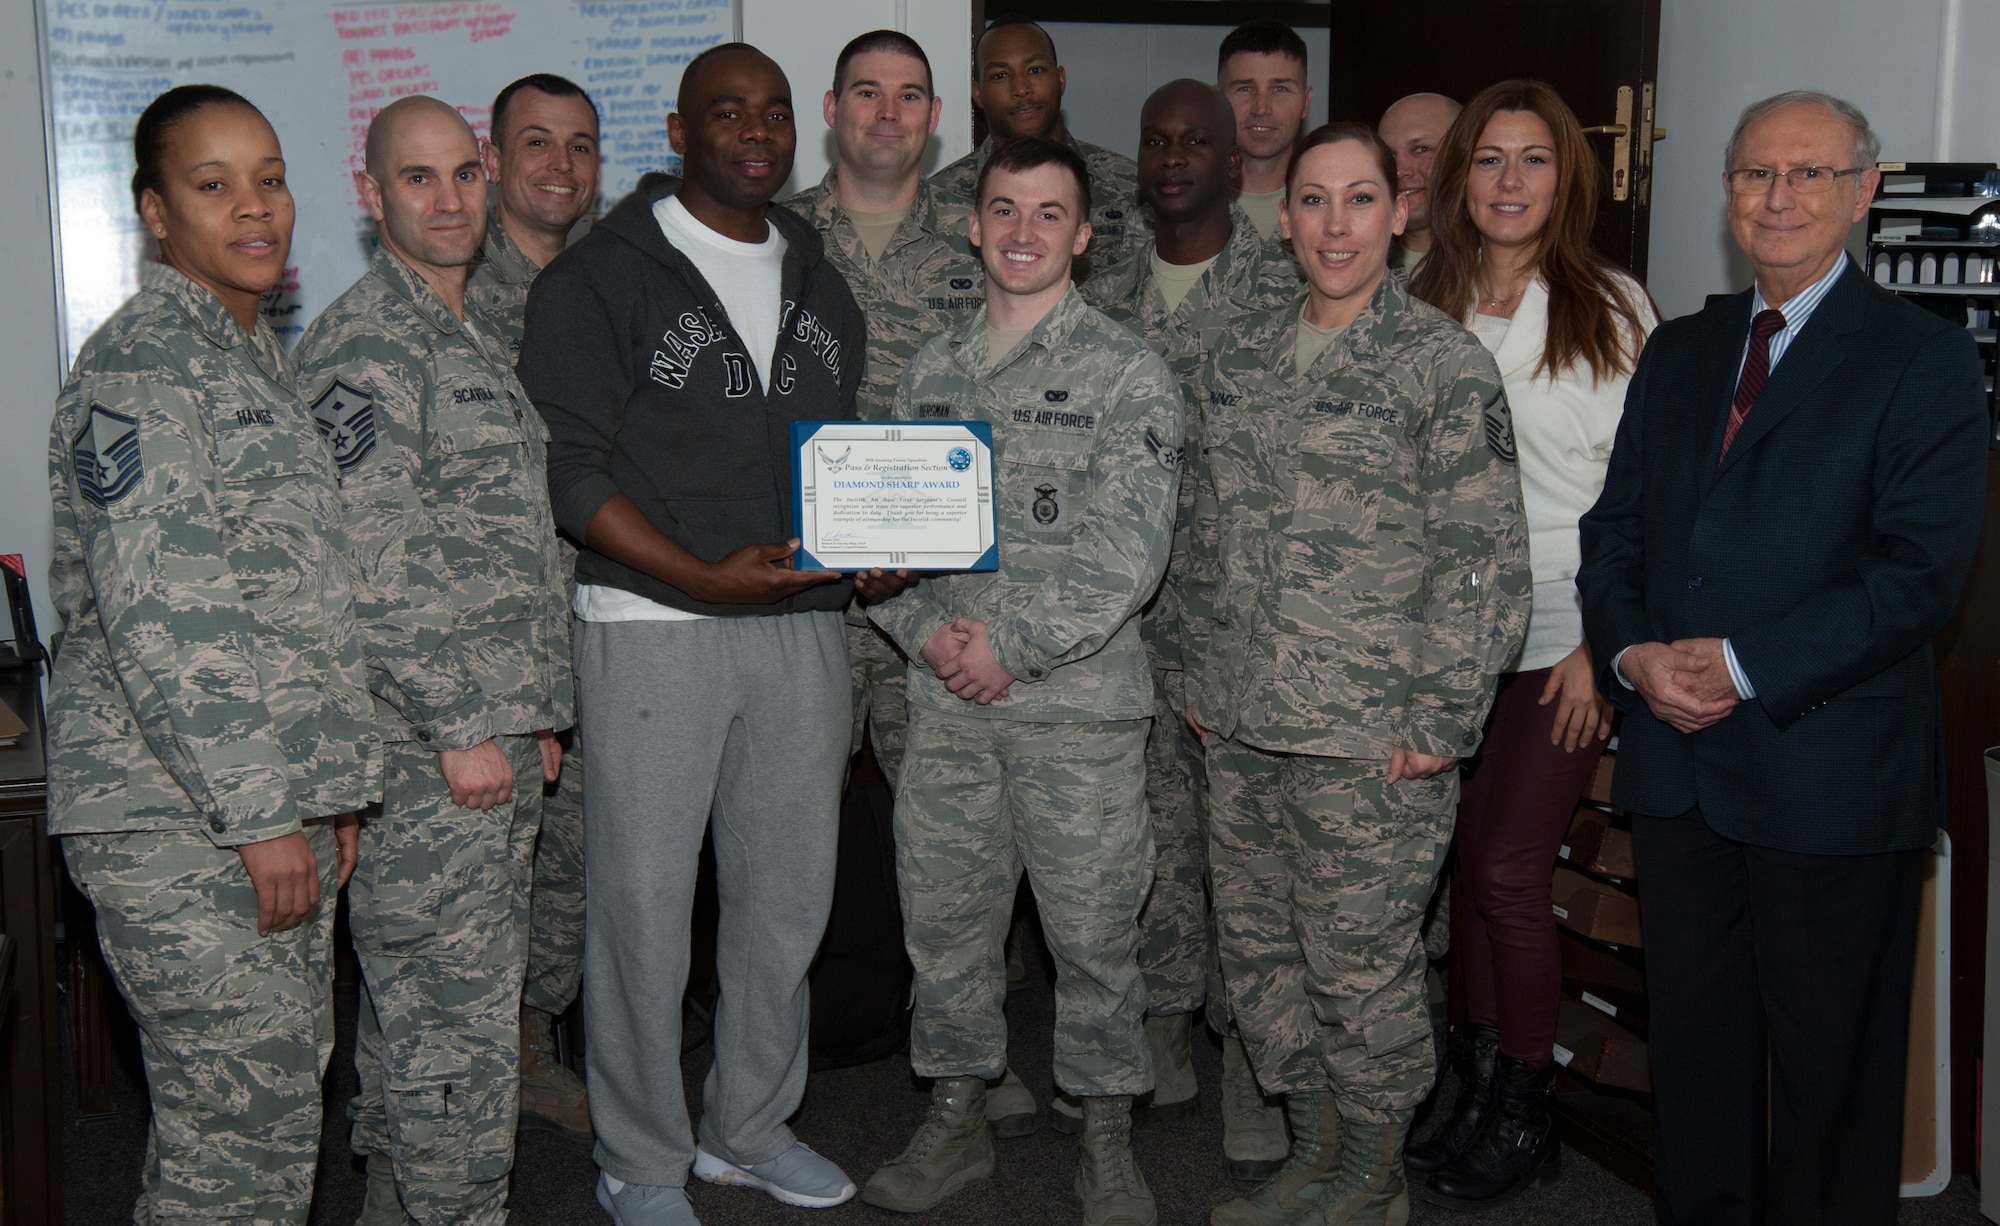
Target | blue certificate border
(804,432)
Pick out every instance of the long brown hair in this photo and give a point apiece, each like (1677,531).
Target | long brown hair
(1588,296)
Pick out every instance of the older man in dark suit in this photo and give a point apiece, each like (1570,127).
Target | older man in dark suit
(1790,512)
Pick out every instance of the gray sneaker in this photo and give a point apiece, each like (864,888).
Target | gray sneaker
(635,1204)
(797,1177)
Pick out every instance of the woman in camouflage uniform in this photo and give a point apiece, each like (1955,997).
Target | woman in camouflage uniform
(1357,576)
(210,733)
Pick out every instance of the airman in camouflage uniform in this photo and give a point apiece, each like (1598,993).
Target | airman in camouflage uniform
(1357,577)
(459,596)
(498,290)
(498,286)
(210,695)
(1048,770)
(1019,86)
(1244,280)
(925,281)
(544,136)
(1117,223)
(1187,142)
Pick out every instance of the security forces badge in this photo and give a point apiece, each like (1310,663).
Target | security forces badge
(346,420)
(1045,509)
(106,456)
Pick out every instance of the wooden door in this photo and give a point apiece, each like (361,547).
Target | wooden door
(1594,52)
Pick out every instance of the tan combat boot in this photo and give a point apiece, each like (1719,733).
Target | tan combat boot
(1066,1113)
(1114,1193)
(1010,1108)
(951,1150)
(1174,1087)
(1289,1195)
(1368,1189)
(1254,1144)
(381,1206)
(552,1097)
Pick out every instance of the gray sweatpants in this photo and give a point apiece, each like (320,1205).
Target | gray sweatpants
(747,718)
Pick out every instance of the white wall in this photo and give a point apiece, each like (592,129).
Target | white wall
(1968,87)
(1102,106)
(1891,58)
(805,36)
(28,350)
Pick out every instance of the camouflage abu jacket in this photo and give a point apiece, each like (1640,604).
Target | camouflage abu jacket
(1358,561)
(928,281)
(210,674)
(1118,224)
(1086,460)
(443,470)
(498,290)
(1246,279)
(498,287)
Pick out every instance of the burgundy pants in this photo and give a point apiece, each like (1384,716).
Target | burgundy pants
(1514,808)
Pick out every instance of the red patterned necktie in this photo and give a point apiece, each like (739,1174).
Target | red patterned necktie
(1756,372)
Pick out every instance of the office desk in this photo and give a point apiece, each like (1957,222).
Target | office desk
(30,1045)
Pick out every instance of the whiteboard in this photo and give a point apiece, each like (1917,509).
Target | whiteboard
(319,70)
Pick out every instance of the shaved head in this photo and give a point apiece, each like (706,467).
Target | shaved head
(1187,154)
(732,125)
(426,189)
(698,80)
(1188,96)
(1413,128)
(1450,106)
(399,117)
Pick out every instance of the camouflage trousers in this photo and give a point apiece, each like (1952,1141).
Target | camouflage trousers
(236,1028)
(1322,871)
(979,800)
(1176,954)
(878,670)
(439,907)
(555,935)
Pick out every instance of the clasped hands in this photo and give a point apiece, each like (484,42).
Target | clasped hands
(961,655)
(1686,683)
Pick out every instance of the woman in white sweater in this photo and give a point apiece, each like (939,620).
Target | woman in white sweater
(1513,202)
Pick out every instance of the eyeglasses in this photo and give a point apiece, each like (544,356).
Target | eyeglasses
(1807,180)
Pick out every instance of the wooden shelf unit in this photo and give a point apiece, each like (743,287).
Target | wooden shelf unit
(1604,1091)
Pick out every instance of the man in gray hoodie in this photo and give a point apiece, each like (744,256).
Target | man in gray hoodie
(670,350)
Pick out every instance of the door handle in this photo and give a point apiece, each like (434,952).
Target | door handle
(1621,144)
(1618,129)
(1621,134)
(1647,135)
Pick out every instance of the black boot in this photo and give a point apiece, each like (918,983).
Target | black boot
(1516,1149)
(1475,1098)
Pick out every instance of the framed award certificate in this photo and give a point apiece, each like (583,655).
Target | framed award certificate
(894,494)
